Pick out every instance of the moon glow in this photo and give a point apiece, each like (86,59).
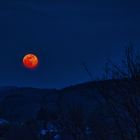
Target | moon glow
(30,61)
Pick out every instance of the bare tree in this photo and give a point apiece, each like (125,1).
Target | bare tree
(130,67)
(127,84)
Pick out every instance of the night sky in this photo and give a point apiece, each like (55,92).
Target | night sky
(63,34)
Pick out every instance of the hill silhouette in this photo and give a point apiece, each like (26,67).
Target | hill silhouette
(109,107)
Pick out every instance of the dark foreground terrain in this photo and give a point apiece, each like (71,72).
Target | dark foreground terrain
(106,110)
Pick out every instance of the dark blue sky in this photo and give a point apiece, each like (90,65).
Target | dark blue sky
(63,34)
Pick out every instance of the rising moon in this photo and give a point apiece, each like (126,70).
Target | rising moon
(30,61)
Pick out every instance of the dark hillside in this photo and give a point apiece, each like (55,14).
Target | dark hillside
(110,108)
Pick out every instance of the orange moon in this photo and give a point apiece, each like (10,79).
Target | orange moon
(30,61)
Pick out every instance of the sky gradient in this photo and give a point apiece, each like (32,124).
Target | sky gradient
(63,34)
